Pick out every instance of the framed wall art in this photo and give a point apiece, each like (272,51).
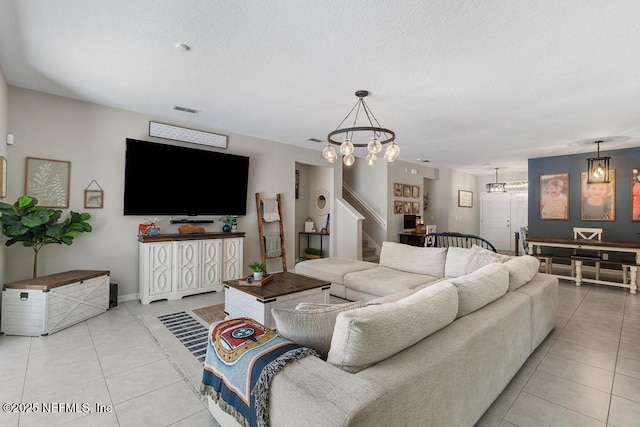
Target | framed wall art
(406,190)
(554,196)
(406,207)
(598,200)
(93,198)
(415,191)
(397,207)
(415,208)
(465,199)
(635,194)
(3,177)
(48,181)
(397,190)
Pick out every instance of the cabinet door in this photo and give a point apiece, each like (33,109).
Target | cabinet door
(187,273)
(211,264)
(159,267)
(233,259)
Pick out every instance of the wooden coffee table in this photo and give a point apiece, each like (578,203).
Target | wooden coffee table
(285,290)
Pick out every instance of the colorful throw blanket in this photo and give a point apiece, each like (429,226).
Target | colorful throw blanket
(242,358)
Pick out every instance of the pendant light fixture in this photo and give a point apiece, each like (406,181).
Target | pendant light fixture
(379,137)
(496,187)
(598,168)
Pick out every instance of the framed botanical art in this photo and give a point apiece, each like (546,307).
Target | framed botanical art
(635,194)
(415,191)
(465,199)
(397,190)
(48,181)
(554,196)
(397,207)
(406,207)
(415,208)
(3,177)
(406,190)
(598,200)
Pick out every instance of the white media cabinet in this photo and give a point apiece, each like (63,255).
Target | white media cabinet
(176,265)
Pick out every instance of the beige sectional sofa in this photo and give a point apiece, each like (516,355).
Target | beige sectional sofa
(435,348)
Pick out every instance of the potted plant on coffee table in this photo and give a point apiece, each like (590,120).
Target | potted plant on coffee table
(258,268)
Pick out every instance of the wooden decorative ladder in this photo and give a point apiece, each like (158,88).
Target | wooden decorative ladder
(261,226)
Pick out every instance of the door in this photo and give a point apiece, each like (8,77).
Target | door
(495,223)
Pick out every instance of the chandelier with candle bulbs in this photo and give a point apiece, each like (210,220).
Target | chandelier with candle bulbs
(379,137)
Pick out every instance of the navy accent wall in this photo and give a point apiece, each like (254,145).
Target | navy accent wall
(622,161)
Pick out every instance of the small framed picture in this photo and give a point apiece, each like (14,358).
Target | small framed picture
(3,177)
(406,207)
(93,199)
(397,207)
(397,190)
(415,207)
(415,191)
(465,199)
(406,190)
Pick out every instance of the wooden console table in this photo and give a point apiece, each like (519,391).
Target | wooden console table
(537,243)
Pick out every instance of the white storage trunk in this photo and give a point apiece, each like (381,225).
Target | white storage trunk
(47,304)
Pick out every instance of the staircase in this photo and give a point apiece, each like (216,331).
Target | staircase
(369,253)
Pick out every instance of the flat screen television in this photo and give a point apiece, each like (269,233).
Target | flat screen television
(161,179)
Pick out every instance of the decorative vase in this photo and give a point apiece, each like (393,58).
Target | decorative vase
(257,275)
(226,228)
(234,227)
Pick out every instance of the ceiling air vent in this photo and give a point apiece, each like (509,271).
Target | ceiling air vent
(314,140)
(185,109)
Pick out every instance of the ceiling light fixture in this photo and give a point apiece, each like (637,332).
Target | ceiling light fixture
(374,146)
(496,187)
(598,168)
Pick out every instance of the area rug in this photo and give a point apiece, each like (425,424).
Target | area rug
(210,314)
(179,354)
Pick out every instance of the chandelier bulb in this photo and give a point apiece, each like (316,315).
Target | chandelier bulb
(329,153)
(348,160)
(374,146)
(346,147)
(371,159)
(392,152)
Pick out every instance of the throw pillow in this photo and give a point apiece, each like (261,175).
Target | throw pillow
(477,289)
(457,261)
(481,257)
(310,325)
(367,335)
(521,270)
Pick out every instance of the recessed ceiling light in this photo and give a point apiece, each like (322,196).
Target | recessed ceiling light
(183,47)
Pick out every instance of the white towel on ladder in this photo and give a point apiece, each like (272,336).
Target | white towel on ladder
(270,210)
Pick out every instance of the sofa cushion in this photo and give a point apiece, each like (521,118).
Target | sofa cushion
(457,261)
(383,281)
(481,287)
(521,270)
(331,269)
(367,335)
(310,325)
(481,257)
(413,259)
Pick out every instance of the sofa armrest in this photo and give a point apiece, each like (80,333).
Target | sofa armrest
(327,396)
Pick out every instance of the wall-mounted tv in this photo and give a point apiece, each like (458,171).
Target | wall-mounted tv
(161,179)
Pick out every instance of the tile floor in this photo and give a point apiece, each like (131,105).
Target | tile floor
(586,373)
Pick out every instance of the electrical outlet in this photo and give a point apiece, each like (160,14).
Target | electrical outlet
(605,257)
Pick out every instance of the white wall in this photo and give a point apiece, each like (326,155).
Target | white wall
(93,137)
(3,152)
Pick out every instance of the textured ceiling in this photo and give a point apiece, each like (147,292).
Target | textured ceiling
(470,85)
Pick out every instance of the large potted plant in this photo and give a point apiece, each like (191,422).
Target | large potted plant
(37,226)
